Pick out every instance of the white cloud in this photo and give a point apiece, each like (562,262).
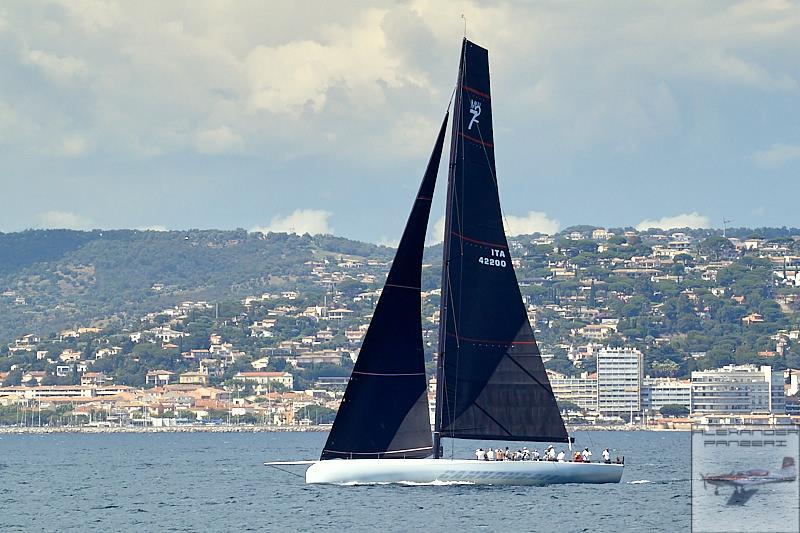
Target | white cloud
(777,154)
(72,146)
(385,241)
(298,75)
(63,220)
(300,221)
(363,83)
(218,140)
(154,78)
(533,222)
(436,234)
(685,220)
(59,69)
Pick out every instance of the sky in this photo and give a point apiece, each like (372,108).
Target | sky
(320,118)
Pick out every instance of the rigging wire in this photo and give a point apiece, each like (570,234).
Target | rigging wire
(494,179)
(286,471)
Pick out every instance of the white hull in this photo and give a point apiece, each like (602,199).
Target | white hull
(460,471)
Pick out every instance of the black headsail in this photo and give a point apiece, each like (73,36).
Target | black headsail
(384,412)
(491,380)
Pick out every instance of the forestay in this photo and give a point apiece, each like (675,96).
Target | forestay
(384,412)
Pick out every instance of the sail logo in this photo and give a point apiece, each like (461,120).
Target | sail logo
(475,109)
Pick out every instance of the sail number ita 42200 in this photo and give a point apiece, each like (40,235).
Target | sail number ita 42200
(498,259)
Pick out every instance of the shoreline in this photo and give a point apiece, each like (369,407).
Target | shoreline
(36,430)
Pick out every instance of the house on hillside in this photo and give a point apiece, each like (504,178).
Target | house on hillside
(752,318)
(159,378)
(260,364)
(70,356)
(93,379)
(36,375)
(193,378)
(262,380)
(165,334)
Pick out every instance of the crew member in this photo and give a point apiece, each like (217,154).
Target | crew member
(587,455)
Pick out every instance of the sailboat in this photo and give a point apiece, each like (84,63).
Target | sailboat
(491,382)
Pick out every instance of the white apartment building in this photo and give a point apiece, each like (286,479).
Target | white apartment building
(738,389)
(264,379)
(619,381)
(581,391)
(658,392)
(596,332)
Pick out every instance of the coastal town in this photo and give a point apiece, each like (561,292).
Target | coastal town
(637,329)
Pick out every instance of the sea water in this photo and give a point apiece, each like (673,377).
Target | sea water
(216,482)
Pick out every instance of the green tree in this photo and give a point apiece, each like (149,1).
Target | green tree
(717,247)
(566,405)
(13,379)
(674,410)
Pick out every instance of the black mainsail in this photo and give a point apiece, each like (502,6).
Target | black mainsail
(384,412)
(491,382)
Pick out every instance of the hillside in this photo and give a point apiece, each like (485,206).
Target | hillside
(687,300)
(52,279)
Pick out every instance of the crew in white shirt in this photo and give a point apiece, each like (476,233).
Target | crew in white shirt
(587,455)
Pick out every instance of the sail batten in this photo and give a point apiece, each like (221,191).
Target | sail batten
(384,412)
(491,382)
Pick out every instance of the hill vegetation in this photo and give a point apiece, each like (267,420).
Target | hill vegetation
(54,279)
(688,300)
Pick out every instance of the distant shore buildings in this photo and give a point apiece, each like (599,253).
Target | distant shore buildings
(619,389)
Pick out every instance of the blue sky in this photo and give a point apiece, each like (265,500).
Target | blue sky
(261,115)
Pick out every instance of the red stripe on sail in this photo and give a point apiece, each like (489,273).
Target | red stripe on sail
(476,91)
(387,375)
(485,341)
(401,286)
(474,139)
(476,241)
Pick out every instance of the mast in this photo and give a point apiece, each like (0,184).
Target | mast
(491,382)
(445,286)
(384,412)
